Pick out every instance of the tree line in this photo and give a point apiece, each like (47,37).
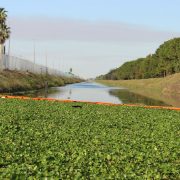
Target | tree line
(165,61)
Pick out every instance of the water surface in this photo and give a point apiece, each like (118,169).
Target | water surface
(95,92)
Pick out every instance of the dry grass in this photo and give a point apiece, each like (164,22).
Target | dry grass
(11,81)
(164,89)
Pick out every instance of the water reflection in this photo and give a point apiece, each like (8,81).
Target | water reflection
(95,92)
(88,91)
(128,97)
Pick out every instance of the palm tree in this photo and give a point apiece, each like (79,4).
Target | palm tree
(4,29)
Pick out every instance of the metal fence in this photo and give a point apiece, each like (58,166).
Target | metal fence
(14,63)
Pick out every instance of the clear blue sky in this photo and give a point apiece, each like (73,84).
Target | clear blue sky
(144,15)
(162,14)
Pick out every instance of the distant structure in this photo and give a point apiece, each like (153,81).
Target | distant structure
(70,71)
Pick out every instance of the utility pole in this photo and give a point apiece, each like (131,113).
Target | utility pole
(46,65)
(46,79)
(9,53)
(59,69)
(34,60)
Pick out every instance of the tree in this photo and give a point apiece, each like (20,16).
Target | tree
(4,29)
(164,62)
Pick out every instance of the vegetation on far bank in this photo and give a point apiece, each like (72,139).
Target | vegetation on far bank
(13,81)
(84,141)
(165,89)
(164,62)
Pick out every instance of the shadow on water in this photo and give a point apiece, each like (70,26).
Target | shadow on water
(94,92)
(38,93)
(128,97)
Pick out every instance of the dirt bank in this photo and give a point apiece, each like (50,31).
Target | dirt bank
(13,81)
(165,89)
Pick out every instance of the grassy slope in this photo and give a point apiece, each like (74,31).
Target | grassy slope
(40,139)
(11,81)
(164,89)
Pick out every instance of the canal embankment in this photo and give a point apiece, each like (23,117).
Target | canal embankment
(14,81)
(164,89)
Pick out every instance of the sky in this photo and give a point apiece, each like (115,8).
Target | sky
(89,36)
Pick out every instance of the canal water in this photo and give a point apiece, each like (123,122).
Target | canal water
(95,92)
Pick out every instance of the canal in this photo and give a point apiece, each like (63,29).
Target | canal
(95,92)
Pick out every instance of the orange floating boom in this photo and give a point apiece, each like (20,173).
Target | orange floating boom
(99,103)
